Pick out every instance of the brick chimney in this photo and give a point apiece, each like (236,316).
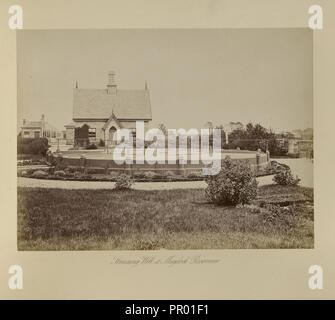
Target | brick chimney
(111,85)
(24,122)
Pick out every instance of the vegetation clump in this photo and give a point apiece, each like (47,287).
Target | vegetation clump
(285,178)
(234,184)
(123,182)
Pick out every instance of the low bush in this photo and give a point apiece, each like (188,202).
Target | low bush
(169,175)
(73,169)
(95,170)
(60,173)
(32,162)
(160,176)
(139,175)
(85,176)
(285,178)
(60,165)
(287,217)
(234,184)
(39,174)
(69,175)
(23,173)
(123,181)
(81,176)
(114,174)
(194,175)
(32,146)
(91,146)
(150,175)
(77,174)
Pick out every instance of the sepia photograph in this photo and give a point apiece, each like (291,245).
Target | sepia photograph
(167,155)
(117,131)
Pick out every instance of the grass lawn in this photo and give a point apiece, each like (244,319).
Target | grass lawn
(55,219)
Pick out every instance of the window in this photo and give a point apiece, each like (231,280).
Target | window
(92,132)
(26,133)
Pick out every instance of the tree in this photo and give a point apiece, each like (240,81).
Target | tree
(163,128)
(81,135)
(223,135)
(255,137)
(208,125)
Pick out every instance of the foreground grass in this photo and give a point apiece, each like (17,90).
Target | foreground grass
(55,219)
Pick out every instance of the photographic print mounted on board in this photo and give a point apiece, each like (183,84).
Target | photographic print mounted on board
(165,139)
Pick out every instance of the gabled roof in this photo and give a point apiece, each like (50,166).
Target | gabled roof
(70,125)
(111,118)
(99,104)
(38,125)
(33,124)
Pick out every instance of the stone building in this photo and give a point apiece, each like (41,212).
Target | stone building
(38,129)
(106,110)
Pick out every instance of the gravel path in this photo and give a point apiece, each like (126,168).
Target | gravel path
(41,183)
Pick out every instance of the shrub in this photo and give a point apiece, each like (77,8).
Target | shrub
(86,177)
(123,181)
(160,175)
(139,175)
(32,146)
(114,174)
(60,173)
(95,170)
(91,146)
(234,184)
(82,176)
(25,162)
(39,173)
(101,143)
(77,174)
(52,159)
(39,146)
(169,175)
(73,169)
(150,175)
(285,178)
(60,165)
(69,174)
(194,175)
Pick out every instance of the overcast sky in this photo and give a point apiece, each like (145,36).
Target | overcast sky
(194,75)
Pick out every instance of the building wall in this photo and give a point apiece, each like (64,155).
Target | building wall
(132,124)
(293,147)
(69,135)
(97,125)
(30,133)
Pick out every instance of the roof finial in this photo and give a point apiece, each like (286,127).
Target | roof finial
(76,84)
